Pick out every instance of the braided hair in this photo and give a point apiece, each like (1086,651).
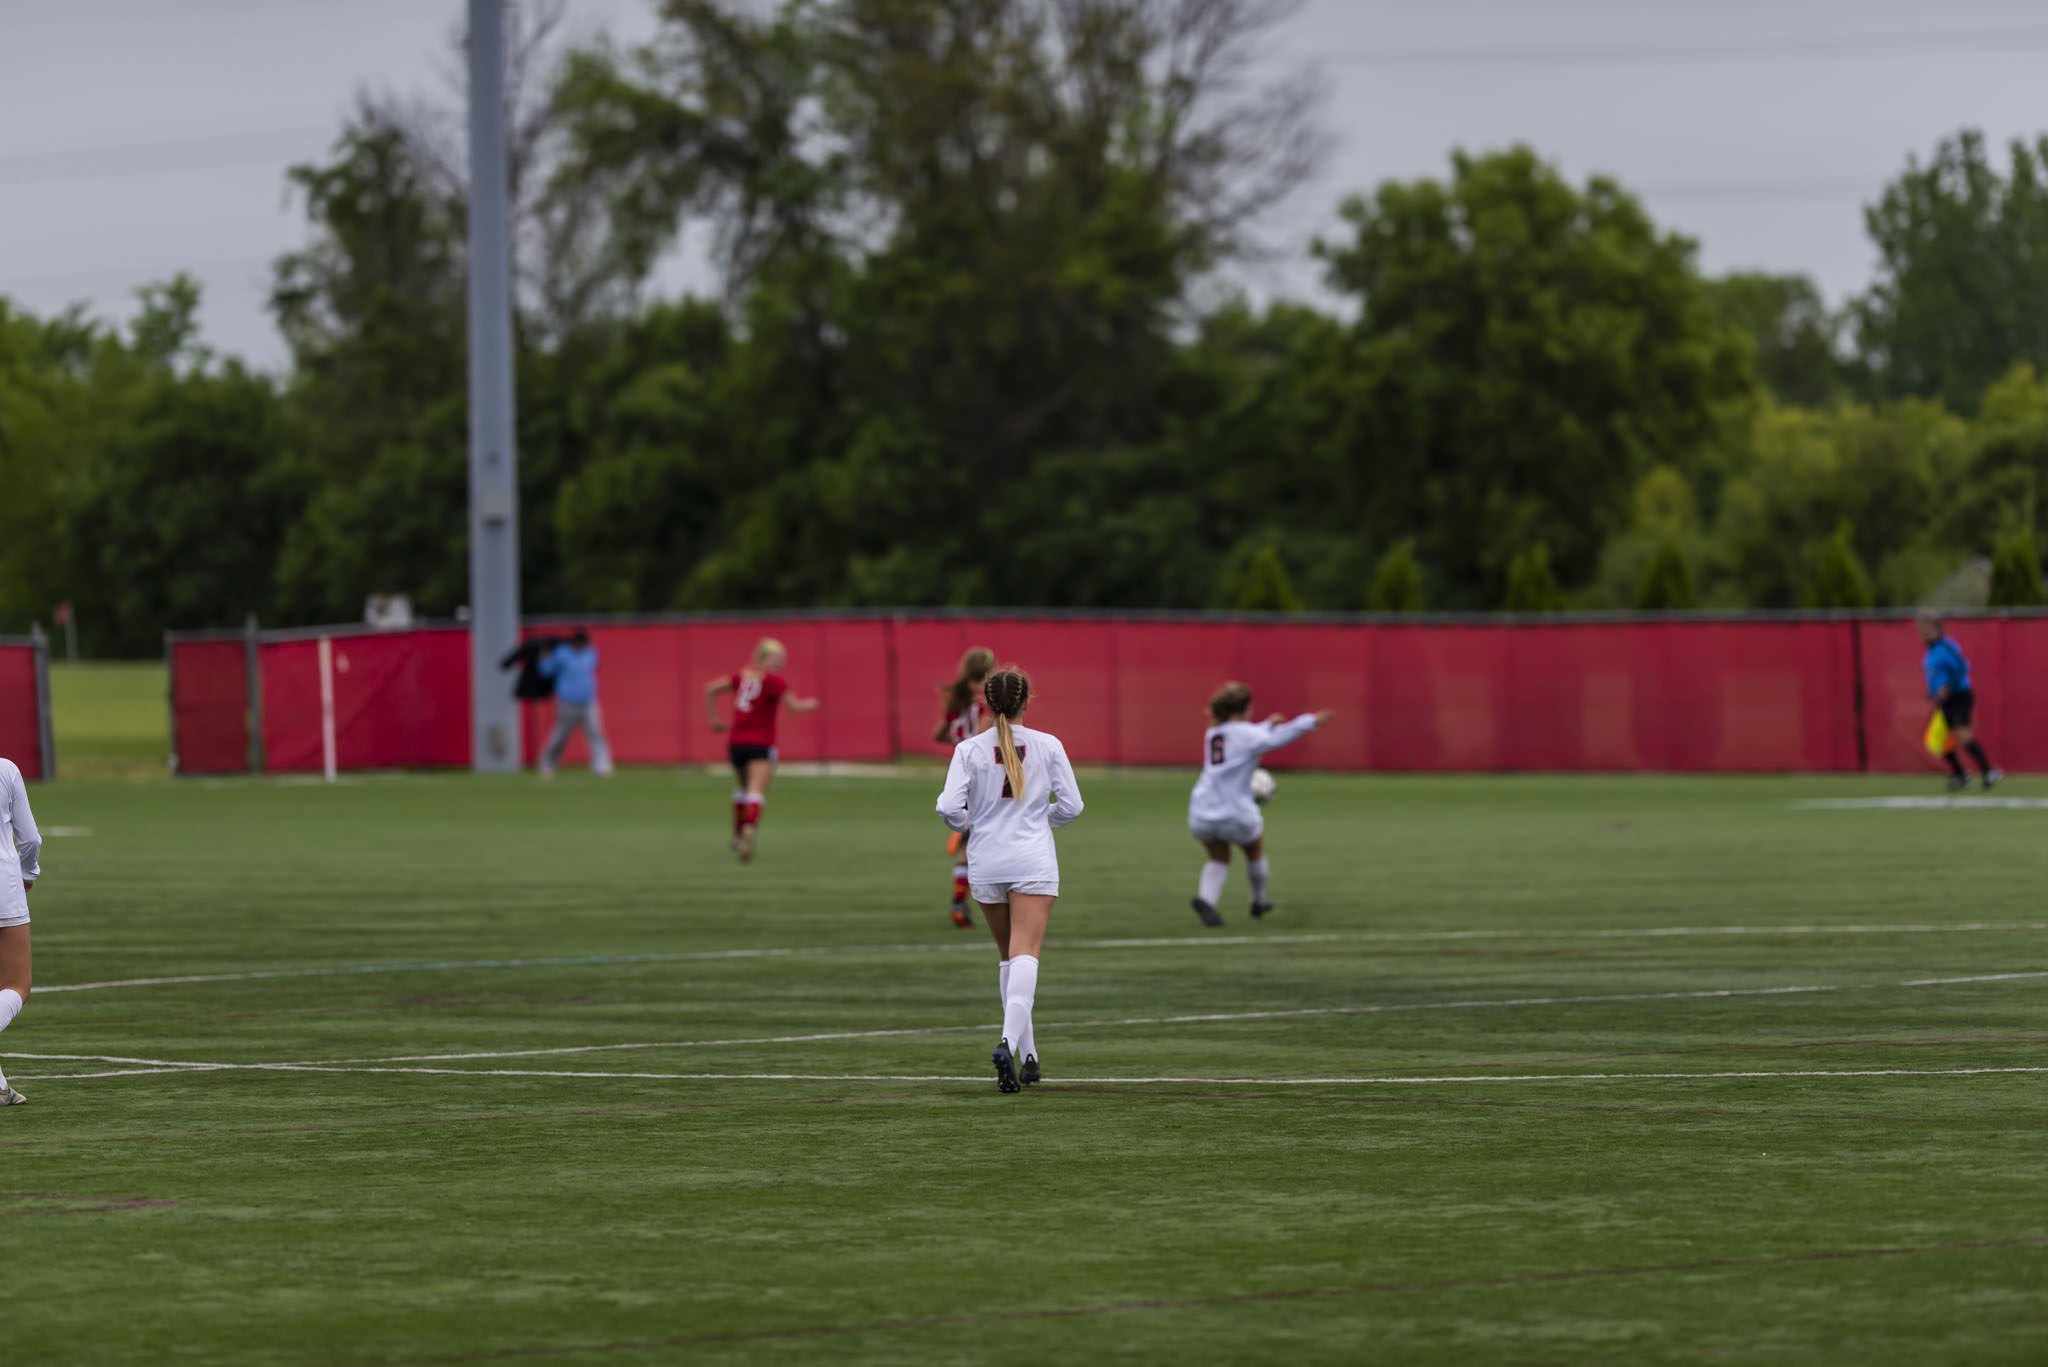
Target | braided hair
(1008,692)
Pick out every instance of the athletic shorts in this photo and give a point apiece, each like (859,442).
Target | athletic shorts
(14,909)
(743,755)
(1958,708)
(998,894)
(1231,832)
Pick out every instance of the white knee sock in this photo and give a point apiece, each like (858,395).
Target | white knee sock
(1210,889)
(1024,1047)
(1017,999)
(1259,870)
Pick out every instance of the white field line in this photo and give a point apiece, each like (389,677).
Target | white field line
(384,1063)
(1920,803)
(817,1037)
(1975,978)
(979,947)
(1456,1079)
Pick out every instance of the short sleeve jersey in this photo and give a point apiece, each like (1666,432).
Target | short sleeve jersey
(755,700)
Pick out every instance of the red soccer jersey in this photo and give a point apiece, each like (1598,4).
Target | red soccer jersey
(965,722)
(755,698)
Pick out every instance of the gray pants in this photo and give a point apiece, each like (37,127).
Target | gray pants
(569,716)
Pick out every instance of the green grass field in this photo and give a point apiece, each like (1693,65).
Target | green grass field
(1523,1071)
(111,720)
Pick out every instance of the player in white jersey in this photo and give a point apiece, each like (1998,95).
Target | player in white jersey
(21,848)
(1221,810)
(1012,787)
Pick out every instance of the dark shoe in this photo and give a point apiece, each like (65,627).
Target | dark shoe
(961,918)
(1956,783)
(1006,1069)
(1992,778)
(1210,916)
(1260,909)
(1030,1074)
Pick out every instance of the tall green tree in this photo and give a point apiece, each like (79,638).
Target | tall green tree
(1532,584)
(1838,579)
(1525,351)
(1397,581)
(1667,582)
(2016,572)
(1264,585)
(1797,339)
(1962,279)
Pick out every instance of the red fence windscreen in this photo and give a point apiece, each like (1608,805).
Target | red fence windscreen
(210,705)
(1673,695)
(21,720)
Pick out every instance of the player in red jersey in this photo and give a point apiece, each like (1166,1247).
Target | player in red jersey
(757,691)
(966,715)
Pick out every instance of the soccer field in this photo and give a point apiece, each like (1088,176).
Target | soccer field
(445,1069)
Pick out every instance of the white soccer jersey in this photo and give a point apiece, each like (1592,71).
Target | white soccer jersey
(21,846)
(1230,756)
(1012,840)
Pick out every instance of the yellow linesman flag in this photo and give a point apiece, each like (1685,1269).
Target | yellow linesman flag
(1937,739)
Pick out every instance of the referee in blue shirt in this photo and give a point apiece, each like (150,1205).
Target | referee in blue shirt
(1948,684)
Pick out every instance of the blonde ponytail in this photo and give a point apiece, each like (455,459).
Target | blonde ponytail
(1013,763)
(1007,692)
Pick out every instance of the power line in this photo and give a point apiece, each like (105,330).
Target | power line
(1802,48)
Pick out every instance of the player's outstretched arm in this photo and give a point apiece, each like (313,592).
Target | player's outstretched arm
(1066,791)
(953,797)
(1287,732)
(797,704)
(711,692)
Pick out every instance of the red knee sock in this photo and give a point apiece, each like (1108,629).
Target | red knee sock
(959,882)
(754,805)
(739,812)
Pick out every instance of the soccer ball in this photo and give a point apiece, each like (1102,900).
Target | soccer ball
(1263,786)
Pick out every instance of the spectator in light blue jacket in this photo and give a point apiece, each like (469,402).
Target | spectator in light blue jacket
(573,667)
(1950,688)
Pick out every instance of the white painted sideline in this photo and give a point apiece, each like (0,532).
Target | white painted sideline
(1456,1079)
(1921,803)
(382,1064)
(977,946)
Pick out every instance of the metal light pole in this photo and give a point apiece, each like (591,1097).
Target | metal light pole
(493,458)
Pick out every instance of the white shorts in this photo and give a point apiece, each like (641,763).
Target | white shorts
(1229,830)
(998,894)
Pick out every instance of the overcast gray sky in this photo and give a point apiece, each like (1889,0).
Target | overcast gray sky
(139,137)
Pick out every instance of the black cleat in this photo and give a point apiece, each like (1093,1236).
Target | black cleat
(962,917)
(1210,916)
(1031,1073)
(1260,909)
(1956,783)
(1992,778)
(1006,1069)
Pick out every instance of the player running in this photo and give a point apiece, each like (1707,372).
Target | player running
(1221,810)
(1013,788)
(965,716)
(756,691)
(20,865)
(1948,685)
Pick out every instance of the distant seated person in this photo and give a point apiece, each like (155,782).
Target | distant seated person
(572,666)
(1948,684)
